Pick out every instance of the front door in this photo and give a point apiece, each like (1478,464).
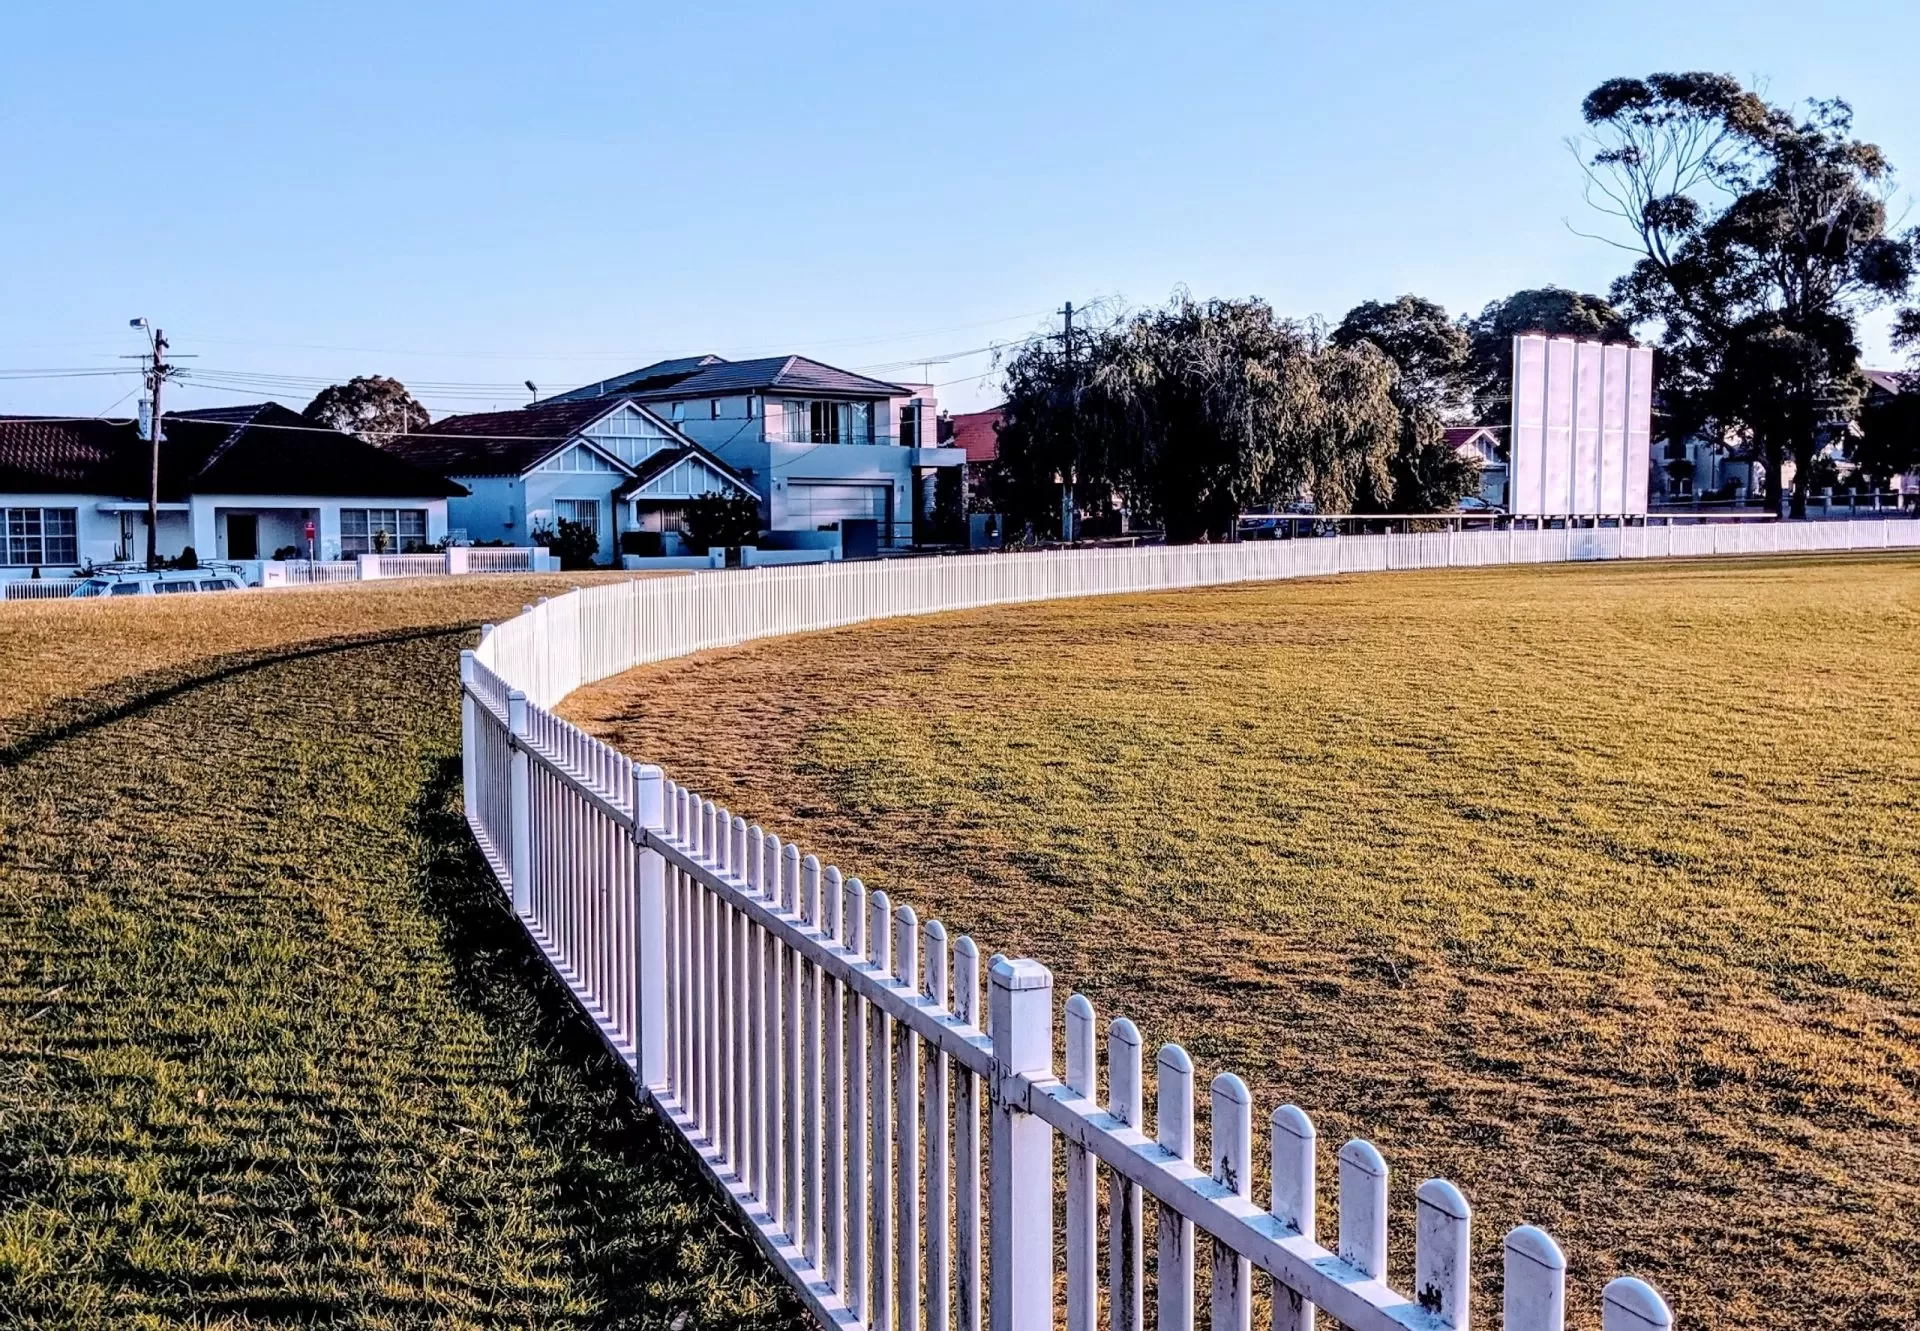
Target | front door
(243,536)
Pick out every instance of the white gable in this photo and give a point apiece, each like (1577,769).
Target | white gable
(629,434)
(577,459)
(689,478)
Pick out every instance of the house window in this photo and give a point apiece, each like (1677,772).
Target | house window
(714,407)
(910,425)
(586,512)
(366,531)
(679,411)
(41,535)
(752,409)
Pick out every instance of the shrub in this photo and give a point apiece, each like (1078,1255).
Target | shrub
(717,519)
(574,543)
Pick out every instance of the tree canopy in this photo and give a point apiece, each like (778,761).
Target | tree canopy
(1431,389)
(372,406)
(1761,235)
(1193,413)
(1552,310)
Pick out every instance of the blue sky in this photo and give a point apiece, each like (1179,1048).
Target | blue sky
(474,195)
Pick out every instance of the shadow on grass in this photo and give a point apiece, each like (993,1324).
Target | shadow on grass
(656,1241)
(70,718)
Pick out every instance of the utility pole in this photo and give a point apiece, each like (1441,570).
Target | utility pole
(1073,430)
(156,373)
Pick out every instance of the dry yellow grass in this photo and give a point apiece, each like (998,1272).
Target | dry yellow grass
(59,652)
(1593,888)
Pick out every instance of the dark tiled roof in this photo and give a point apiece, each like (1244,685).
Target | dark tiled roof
(498,443)
(660,374)
(1894,381)
(709,376)
(254,450)
(63,456)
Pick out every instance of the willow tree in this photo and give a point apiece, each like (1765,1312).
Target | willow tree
(1195,413)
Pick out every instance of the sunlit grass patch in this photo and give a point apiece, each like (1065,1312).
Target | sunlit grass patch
(1594,888)
(272,1052)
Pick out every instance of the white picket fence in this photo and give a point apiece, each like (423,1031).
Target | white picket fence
(39,589)
(307,573)
(827,1054)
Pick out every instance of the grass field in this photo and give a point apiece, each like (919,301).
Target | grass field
(272,1053)
(1593,888)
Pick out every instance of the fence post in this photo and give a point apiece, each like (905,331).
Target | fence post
(1628,1304)
(1536,1283)
(520,808)
(469,799)
(1020,1259)
(1442,1252)
(650,929)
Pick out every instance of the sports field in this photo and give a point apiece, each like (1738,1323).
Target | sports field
(1593,888)
(272,1051)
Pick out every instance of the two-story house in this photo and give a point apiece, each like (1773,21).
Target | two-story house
(824,447)
(611,464)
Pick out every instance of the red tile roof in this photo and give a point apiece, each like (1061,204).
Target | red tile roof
(978,433)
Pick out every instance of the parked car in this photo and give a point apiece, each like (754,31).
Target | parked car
(166,582)
(1476,505)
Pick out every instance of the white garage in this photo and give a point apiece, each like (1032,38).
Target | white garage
(816,504)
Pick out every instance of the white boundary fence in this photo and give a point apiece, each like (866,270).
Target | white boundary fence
(827,1054)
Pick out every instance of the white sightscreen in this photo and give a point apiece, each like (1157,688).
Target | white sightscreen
(1582,427)
(1529,423)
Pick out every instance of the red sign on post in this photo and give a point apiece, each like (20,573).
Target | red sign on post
(309,531)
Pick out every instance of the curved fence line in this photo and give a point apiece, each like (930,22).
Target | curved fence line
(888,1135)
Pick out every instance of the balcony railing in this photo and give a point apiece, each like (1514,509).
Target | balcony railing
(780,433)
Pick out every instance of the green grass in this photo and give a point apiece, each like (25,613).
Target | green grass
(1592,888)
(272,1052)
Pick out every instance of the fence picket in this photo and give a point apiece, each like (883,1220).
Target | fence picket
(833,1167)
(966,1144)
(906,1129)
(938,1129)
(880,1112)
(1232,1127)
(1126,1234)
(1363,1208)
(1535,1298)
(854,920)
(1083,1275)
(812,1218)
(1173,1115)
(1292,1204)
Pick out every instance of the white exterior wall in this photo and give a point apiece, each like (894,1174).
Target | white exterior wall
(492,510)
(284,517)
(97,532)
(201,523)
(538,489)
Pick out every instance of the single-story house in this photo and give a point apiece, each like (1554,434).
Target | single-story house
(822,446)
(611,464)
(236,483)
(1481,445)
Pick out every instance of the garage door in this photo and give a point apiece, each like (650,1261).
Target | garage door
(816,504)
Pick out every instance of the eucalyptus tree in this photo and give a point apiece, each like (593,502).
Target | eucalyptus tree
(1760,236)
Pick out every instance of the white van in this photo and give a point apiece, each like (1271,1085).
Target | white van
(167,582)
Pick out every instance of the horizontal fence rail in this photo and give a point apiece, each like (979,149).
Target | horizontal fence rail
(880,1100)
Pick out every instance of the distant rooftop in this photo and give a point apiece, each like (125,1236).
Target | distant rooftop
(712,376)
